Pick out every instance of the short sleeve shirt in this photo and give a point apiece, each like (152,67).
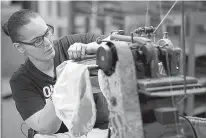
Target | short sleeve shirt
(30,87)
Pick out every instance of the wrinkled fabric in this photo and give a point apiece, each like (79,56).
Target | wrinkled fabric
(94,133)
(73,98)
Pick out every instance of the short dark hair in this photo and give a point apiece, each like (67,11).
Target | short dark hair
(16,21)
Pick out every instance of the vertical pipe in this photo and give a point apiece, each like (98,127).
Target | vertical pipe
(183,45)
(191,57)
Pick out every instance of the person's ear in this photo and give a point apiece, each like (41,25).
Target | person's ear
(19,47)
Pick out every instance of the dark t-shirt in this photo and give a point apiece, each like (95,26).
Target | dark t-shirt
(28,84)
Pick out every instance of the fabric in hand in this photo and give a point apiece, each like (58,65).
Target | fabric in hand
(73,98)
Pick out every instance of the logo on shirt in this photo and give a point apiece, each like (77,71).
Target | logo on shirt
(48,90)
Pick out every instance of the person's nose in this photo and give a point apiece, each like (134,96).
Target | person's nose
(47,41)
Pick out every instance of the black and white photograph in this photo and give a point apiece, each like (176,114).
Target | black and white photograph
(103,69)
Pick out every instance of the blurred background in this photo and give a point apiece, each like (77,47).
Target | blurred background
(102,17)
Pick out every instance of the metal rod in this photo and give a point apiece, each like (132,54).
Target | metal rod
(183,45)
(140,40)
(183,53)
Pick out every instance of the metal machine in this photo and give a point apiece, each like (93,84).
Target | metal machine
(157,73)
(157,64)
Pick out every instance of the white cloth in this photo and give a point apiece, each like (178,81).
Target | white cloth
(73,98)
(94,133)
(74,103)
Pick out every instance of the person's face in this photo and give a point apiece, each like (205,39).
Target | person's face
(30,33)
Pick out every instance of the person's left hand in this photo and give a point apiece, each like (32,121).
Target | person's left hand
(77,51)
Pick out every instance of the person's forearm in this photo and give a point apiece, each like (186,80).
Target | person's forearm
(48,120)
(91,48)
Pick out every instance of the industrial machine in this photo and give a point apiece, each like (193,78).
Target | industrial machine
(157,64)
(130,65)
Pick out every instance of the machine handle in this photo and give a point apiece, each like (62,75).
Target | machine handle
(140,40)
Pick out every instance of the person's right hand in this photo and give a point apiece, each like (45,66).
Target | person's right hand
(77,51)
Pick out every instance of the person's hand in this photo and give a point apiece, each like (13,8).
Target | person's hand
(58,135)
(77,51)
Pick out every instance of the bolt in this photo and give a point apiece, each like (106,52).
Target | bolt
(113,101)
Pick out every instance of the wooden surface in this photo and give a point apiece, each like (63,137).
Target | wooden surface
(121,93)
